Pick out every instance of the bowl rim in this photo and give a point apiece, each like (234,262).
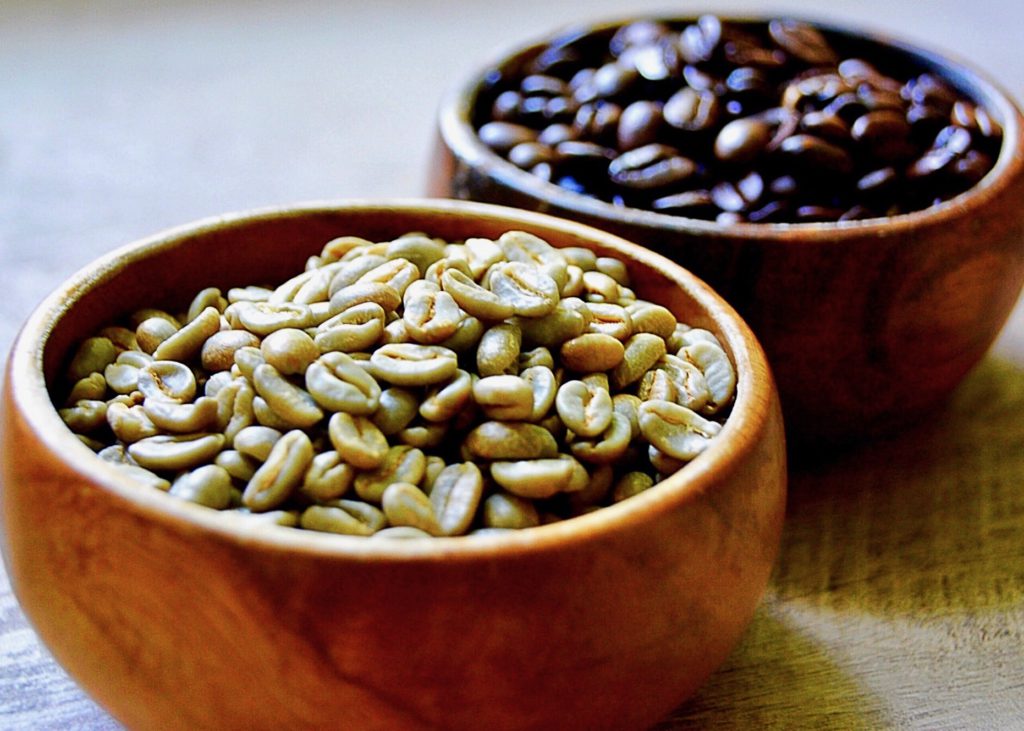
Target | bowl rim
(458,135)
(27,393)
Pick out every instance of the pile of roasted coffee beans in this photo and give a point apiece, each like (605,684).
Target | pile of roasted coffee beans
(737,122)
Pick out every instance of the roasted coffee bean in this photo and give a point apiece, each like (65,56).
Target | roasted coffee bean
(733,98)
(651,167)
(692,110)
(638,125)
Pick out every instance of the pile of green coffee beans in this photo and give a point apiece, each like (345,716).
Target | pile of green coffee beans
(410,387)
(737,122)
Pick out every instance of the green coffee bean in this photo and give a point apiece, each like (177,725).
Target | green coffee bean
(719,374)
(287,400)
(455,495)
(168,380)
(209,485)
(85,416)
(507,398)
(283,471)
(474,299)
(592,352)
(504,510)
(290,351)
(358,440)
(642,351)
(152,332)
(92,356)
(511,441)
(630,484)
(401,464)
(531,292)
(431,315)
(498,352)
(188,341)
(176,452)
(534,478)
(447,399)
(129,423)
(584,409)
(256,441)
(676,430)
(408,364)
(404,504)
(179,418)
(337,383)
(328,477)
(354,329)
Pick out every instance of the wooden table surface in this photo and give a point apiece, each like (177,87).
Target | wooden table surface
(898,601)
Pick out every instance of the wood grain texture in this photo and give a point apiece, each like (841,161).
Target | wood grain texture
(121,119)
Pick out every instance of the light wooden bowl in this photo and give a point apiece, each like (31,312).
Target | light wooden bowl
(868,324)
(173,616)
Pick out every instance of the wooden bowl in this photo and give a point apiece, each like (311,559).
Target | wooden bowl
(174,616)
(867,324)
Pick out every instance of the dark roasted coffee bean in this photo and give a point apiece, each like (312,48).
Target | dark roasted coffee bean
(825,125)
(555,133)
(930,164)
(811,214)
(528,155)
(742,140)
(972,167)
(639,124)
(598,121)
(783,186)
(802,41)
(816,155)
(651,167)
(743,49)
(608,82)
(884,133)
(814,92)
(741,195)
(639,33)
(586,156)
(975,119)
(506,106)
(687,203)
(654,61)
(559,62)
(729,218)
(878,181)
(691,110)
(926,120)
(772,212)
(503,136)
(857,213)
(698,42)
(953,138)
(875,99)
(858,72)
(847,106)
(700,80)
(541,85)
(928,90)
(750,84)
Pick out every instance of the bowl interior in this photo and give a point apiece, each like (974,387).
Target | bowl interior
(269,246)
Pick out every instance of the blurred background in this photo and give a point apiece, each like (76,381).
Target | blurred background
(119,119)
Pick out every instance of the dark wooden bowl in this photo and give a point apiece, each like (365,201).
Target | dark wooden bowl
(867,324)
(174,616)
